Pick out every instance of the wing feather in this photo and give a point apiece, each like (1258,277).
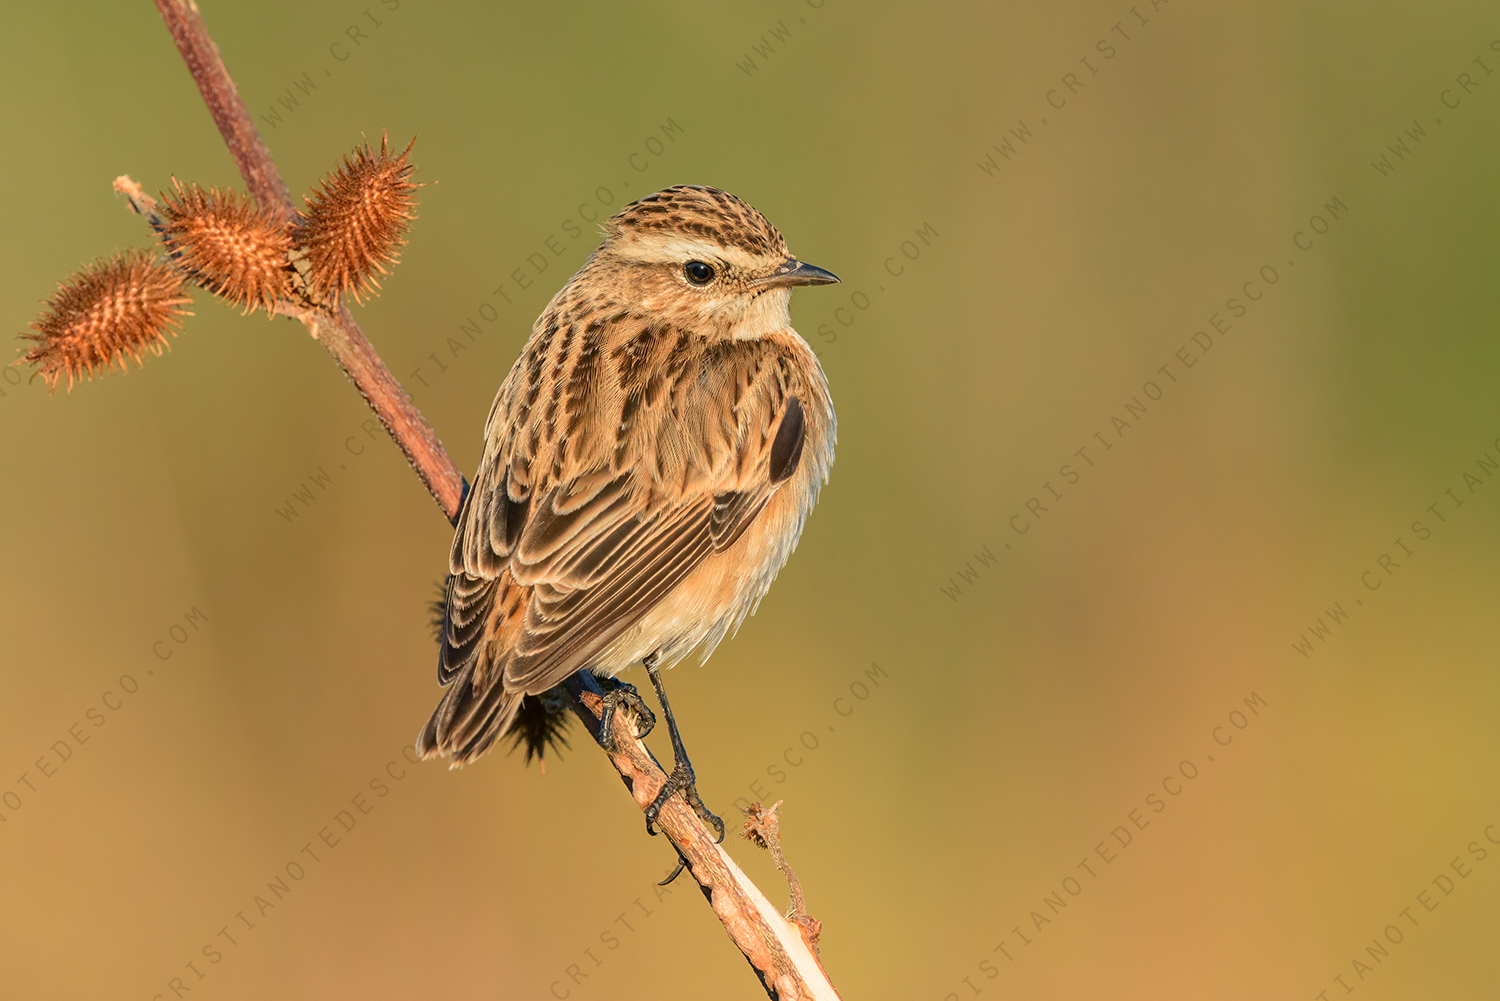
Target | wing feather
(561,549)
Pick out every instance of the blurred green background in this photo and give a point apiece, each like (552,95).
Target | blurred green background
(1019,705)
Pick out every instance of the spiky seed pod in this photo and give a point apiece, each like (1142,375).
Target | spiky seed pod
(354,223)
(228,245)
(541,724)
(111,309)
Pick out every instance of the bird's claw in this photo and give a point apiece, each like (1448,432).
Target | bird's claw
(682,780)
(623,695)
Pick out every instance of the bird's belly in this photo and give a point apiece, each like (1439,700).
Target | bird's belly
(712,601)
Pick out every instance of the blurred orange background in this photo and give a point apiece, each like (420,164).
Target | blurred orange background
(1165,333)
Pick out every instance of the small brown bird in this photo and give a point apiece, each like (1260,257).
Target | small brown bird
(649,463)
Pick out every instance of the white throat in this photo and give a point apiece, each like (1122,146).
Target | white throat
(768,313)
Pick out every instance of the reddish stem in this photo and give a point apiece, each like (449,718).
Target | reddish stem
(224,103)
(350,348)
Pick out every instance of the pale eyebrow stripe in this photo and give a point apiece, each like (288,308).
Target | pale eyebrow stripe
(664,246)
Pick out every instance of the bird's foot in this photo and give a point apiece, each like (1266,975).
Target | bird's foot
(682,780)
(619,695)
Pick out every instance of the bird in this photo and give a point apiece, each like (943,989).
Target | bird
(649,463)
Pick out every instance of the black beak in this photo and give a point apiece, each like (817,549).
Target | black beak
(794,272)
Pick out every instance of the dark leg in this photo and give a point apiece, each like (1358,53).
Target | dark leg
(681,779)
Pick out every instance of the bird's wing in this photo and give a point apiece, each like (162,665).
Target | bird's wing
(600,531)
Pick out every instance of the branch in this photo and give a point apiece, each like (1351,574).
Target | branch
(334,327)
(224,103)
(776,949)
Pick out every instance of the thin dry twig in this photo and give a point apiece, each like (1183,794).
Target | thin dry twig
(763,828)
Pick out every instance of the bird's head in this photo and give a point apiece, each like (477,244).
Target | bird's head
(705,257)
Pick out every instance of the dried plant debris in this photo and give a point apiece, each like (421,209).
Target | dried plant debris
(229,245)
(540,726)
(354,223)
(117,307)
(237,250)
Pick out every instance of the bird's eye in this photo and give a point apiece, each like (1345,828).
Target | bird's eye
(698,273)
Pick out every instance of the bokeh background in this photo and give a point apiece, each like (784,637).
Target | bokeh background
(963,720)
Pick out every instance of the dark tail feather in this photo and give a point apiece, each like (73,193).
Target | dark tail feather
(538,723)
(468,720)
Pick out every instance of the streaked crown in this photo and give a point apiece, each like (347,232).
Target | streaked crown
(694,210)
